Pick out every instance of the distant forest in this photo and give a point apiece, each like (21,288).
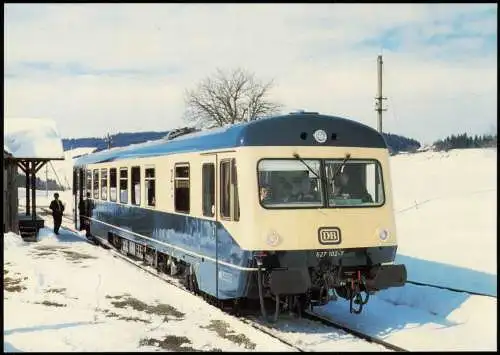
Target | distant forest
(117,140)
(399,143)
(40,184)
(461,141)
(395,142)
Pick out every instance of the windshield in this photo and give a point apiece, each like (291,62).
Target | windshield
(289,183)
(357,183)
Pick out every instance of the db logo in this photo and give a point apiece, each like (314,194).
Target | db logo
(329,235)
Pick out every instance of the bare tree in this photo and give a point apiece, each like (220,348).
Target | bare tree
(227,98)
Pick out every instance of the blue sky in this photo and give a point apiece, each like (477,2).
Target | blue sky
(98,68)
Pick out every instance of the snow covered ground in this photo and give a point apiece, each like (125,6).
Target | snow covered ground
(446,218)
(446,208)
(64,294)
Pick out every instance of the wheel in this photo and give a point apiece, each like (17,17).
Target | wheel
(190,280)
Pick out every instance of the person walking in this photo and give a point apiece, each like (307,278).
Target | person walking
(57,208)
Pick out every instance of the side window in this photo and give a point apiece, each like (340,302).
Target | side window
(181,191)
(149,180)
(136,185)
(89,182)
(229,206)
(225,188)
(112,184)
(96,183)
(234,190)
(123,185)
(104,184)
(208,181)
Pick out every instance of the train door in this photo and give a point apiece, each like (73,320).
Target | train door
(209,210)
(75,197)
(78,192)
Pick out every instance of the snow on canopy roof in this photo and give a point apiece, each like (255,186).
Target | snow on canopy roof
(32,138)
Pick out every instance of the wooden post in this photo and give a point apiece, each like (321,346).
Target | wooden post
(14,195)
(27,188)
(33,193)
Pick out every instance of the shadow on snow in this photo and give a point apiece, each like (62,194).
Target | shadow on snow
(436,273)
(46,327)
(413,306)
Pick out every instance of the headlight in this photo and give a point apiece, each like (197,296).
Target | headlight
(320,136)
(383,234)
(273,238)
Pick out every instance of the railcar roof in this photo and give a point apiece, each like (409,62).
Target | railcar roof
(296,129)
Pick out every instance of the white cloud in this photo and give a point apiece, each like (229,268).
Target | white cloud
(313,52)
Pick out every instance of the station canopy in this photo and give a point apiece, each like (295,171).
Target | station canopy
(31,143)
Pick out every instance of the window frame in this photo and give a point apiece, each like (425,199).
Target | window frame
(96,190)
(126,169)
(234,205)
(88,182)
(132,186)
(381,176)
(116,184)
(210,213)
(188,179)
(146,180)
(101,179)
(324,190)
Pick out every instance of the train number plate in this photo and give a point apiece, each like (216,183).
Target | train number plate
(324,254)
(329,235)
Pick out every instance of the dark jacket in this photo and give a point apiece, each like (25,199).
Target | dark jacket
(86,207)
(57,207)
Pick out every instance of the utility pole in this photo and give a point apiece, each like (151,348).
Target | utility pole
(379,99)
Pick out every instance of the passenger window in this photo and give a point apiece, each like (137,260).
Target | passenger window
(181,191)
(208,181)
(123,185)
(150,186)
(136,185)
(229,206)
(112,184)
(89,182)
(96,184)
(104,184)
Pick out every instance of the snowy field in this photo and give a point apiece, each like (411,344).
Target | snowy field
(446,221)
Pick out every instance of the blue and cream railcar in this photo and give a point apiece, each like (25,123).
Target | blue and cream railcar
(253,210)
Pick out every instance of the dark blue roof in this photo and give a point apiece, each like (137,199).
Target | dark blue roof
(287,130)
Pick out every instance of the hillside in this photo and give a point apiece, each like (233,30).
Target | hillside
(117,140)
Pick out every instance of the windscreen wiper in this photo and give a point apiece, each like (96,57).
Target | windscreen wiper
(340,169)
(295,155)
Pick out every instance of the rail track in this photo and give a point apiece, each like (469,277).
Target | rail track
(252,321)
(255,323)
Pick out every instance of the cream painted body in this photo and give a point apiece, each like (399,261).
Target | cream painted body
(297,228)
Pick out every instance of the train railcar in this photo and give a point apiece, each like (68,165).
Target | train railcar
(294,208)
